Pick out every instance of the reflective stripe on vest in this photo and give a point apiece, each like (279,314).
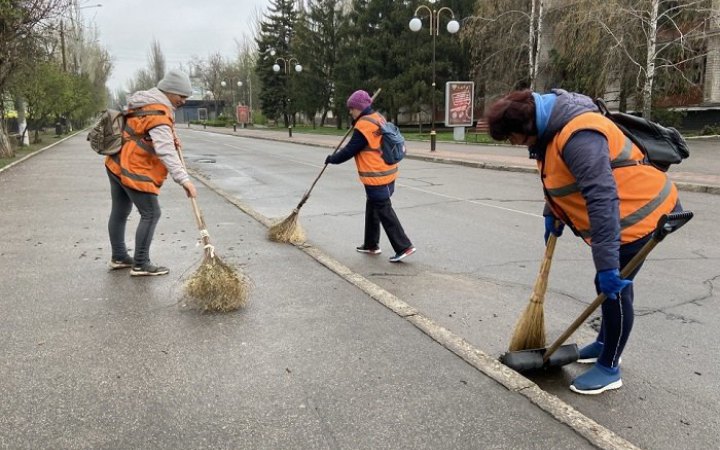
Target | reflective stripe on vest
(372,169)
(644,192)
(137,165)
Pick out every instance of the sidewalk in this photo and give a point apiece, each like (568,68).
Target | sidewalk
(96,359)
(699,173)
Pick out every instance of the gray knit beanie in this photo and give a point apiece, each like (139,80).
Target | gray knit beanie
(176,82)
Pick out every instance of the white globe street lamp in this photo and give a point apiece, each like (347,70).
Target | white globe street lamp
(286,63)
(453,27)
(415,24)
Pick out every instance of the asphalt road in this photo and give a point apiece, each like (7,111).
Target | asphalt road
(479,239)
(92,358)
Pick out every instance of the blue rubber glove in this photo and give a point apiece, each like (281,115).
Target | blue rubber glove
(327,160)
(611,284)
(551,228)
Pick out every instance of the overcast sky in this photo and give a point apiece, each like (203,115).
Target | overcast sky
(182,27)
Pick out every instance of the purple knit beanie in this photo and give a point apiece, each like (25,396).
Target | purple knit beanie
(359,100)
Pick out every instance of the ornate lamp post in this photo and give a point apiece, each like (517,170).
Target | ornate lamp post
(239,84)
(286,62)
(453,26)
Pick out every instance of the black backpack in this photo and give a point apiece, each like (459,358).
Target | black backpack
(662,146)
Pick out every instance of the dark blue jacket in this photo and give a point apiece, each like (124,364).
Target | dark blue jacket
(357,143)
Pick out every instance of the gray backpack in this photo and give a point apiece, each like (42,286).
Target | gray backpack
(106,136)
(392,143)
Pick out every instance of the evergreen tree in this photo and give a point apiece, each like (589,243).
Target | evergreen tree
(317,46)
(275,41)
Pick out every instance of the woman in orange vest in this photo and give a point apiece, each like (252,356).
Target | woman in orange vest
(377,176)
(598,183)
(136,174)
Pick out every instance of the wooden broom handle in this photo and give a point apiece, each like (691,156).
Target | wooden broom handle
(542,279)
(199,220)
(626,272)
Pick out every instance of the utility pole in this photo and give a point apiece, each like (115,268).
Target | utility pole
(62,45)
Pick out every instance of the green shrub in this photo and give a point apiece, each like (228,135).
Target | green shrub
(258,118)
(668,118)
(710,130)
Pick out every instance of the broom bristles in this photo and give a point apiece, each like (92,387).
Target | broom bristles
(217,287)
(530,329)
(287,230)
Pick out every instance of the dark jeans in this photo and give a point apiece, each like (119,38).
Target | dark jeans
(618,315)
(123,198)
(379,210)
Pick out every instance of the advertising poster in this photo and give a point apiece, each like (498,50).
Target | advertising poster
(459,103)
(243,114)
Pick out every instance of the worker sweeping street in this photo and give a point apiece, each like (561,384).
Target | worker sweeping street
(596,182)
(138,171)
(376,175)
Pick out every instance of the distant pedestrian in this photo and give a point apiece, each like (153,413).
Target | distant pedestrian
(598,183)
(377,176)
(136,174)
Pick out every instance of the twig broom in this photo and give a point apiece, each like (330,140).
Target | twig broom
(289,229)
(530,328)
(215,286)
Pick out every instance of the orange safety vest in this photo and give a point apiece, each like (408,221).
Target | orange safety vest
(372,169)
(137,165)
(645,193)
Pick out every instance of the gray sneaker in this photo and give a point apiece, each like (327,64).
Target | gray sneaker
(125,263)
(148,270)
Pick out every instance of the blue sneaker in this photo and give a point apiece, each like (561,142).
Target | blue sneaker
(402,255)
(597,380)
(590,353)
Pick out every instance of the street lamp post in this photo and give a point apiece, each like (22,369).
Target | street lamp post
(249,83)
(453,26)
(276,68)
(239,84)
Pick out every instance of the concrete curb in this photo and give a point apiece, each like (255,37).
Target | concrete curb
(38,151)
(694,187)
(564,413)
(683,186)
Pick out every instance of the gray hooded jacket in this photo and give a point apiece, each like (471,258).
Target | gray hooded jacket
(162,136)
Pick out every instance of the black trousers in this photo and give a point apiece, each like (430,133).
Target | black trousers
(380,211)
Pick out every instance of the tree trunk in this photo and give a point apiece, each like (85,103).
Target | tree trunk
(650,65)
(538,41)
(6,150)
(22,123)
(531,46)
(323,118)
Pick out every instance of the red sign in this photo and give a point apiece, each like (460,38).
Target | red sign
(242,114)
(459,103)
